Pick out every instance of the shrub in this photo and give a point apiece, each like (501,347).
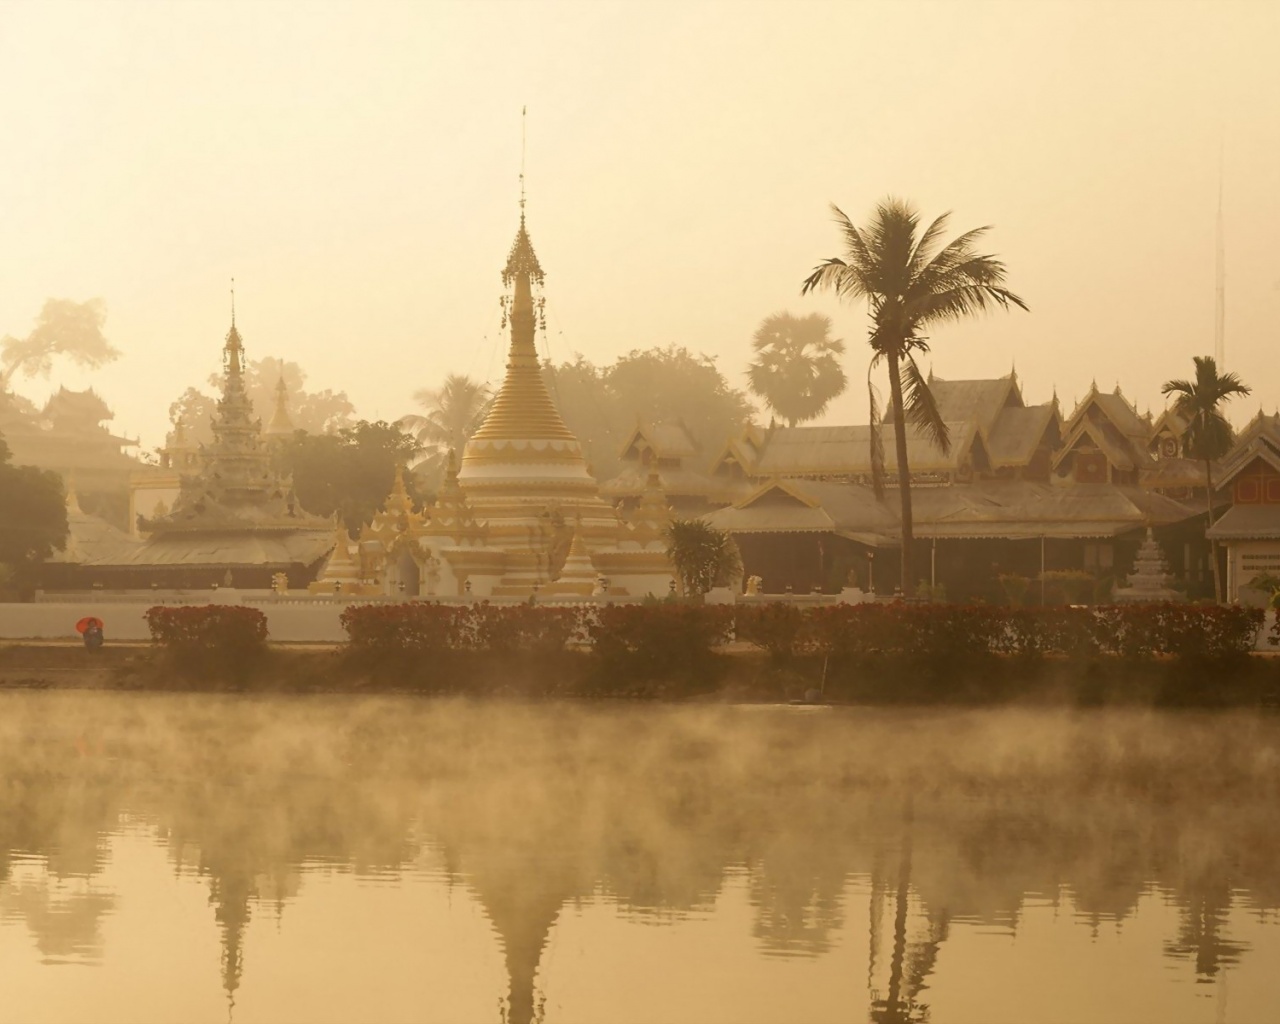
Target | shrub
(426,626)
(418,627)
(657,641)
(782,629)
(522,628)
(211,639)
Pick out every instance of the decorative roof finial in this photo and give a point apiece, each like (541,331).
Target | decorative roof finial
(524,113)
(233,302)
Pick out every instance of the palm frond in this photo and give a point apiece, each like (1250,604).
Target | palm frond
(958,303)
(1178,387)
(921,255)
(919,405)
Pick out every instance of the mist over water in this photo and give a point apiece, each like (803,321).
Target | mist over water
(193,857)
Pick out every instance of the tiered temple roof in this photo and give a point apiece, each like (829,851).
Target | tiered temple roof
(235,513)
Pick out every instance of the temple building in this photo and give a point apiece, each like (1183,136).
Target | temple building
(1250,529)
(234,520)
(1021,491)
(520,515)
(69,435)
(669,450)
(154,489)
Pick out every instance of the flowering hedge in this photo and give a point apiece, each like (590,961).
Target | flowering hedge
(943,632)
(210,640)
(212,627)
(425,626)
(655,644)
(782,629)
(664,635)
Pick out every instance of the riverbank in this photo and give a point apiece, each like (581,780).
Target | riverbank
(741,673)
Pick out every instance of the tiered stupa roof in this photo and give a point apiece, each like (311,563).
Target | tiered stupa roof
(237,488)
(281,424)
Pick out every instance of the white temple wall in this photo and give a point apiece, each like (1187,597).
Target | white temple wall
(1245,560)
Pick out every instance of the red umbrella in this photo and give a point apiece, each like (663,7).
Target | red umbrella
(87,621)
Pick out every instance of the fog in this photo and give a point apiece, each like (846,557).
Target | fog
(965,817)
(354,167)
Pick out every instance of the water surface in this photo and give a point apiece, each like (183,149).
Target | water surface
(205,858)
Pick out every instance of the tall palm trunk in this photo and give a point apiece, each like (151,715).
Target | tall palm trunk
(1213,544)
(904,476)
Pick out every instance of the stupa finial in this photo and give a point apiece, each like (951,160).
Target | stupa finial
(524,112)
(233,350)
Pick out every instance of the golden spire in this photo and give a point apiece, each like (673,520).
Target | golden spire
(341,566)
(523,408)
(578,567)
(233,351)
(398,500)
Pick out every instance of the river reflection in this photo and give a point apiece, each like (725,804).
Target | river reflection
(261,859)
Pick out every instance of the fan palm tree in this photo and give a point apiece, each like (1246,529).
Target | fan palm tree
(701,555)
(453,413)
(911,283)
(796,370)
(1209,435)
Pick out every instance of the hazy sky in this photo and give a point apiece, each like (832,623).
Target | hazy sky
(354,167)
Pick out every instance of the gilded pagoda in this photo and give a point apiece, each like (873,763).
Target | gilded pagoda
(520,514)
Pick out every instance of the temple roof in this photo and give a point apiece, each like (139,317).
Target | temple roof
(1017,433)
(1247,522)
(237,487)
(1015,509)
(90,538)
(982,400)
(846,450)
(232,548)
(666,440)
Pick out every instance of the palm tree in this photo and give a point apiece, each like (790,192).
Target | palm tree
(911,283)
(453,413)
(796,370)
(701,555)
(1208,435)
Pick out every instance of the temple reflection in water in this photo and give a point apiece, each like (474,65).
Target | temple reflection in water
(898,828)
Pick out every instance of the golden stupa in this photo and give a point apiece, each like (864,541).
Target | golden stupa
(521,515)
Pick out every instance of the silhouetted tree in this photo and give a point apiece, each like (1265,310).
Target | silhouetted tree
(316,412)
(33,515)
(63,328)
(796,370)
(601,405)
(453,413)
(911,285)
(350,472)
(1209,435)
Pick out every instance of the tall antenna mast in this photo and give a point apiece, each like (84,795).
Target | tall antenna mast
(1220,283)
